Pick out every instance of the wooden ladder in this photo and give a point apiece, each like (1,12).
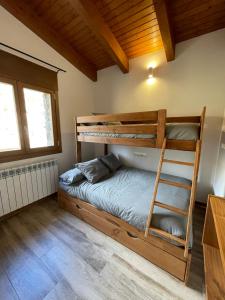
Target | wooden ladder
(192,188)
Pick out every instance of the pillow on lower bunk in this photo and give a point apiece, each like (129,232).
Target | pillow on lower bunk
(93,170)
(111,162)
(71,176)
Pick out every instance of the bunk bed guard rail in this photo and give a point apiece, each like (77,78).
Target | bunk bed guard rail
(139,123)
(138,129)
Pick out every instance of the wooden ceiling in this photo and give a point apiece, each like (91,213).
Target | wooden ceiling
(95,34)
(191,18)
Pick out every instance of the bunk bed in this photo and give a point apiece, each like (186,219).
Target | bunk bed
(143,129)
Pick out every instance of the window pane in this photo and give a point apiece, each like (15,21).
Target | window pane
(39,118)
(9,132)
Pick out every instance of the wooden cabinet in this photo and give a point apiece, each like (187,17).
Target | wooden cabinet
(214,248)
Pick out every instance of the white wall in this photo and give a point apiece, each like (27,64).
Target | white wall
(219,184)
(75,89)
(194,79)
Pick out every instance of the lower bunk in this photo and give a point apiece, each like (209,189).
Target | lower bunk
(158,251)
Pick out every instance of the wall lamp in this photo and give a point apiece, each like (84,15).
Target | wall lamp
(150,72)
(151,78)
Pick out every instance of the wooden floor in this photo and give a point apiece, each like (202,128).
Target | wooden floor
(46,253)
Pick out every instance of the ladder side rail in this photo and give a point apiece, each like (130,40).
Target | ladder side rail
(192,196)
(148,222)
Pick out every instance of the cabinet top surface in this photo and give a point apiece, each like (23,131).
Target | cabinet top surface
(217,205)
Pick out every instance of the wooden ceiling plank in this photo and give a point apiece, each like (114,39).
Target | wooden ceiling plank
(86,38)
(52,13)
(126,10)
(204,9)
(144,45)
(145,51)
(149,19)
(193,7)
(131,19)
(36,24)
(93,50)
(63,22)
(77,29)
(146,48)
(74,30)
(105,10)
(147,39)
(42,7)
(138,30)
(116,11)
(112,5)
(89,13)
(192,18)
(200,19)
(91,47)
(209,15)
(179,4)
(200,29)
(165,28)
(138,37)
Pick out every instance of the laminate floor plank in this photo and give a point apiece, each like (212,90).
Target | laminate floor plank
(76,240)
(62,291)
(29,277)
(47,253)
(6,288)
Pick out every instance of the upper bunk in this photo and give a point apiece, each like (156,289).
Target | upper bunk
(141,129)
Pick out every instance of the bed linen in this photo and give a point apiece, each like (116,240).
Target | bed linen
(173,132)
(127,194)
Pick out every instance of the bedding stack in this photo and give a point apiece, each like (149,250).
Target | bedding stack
(93,170)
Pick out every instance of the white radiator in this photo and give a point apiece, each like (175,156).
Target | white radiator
(23,185)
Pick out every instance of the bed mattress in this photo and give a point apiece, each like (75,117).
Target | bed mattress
(173,132)
(127,194)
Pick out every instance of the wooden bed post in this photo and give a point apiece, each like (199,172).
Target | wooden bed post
(78,144)
(161,127)
(202,122)
(78,152)
(105,149)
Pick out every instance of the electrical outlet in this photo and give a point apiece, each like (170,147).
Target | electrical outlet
(142,154)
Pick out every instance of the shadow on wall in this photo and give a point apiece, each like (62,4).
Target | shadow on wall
(69,152)
(219,184)
(210,146)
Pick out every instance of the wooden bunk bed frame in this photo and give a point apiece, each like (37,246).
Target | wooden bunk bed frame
(158,250)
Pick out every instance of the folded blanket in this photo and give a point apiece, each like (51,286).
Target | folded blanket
(71,176)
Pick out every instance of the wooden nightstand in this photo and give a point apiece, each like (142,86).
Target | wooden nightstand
(214,248)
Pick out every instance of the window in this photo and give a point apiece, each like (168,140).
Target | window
(29,121)
(9,130)
(39,111)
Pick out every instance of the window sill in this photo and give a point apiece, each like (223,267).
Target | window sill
(14,157)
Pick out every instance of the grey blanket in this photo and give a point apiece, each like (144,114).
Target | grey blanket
(127,194)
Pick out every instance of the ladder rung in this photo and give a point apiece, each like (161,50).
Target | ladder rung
(168,235)
(185,163)
(173,183)
(171,208)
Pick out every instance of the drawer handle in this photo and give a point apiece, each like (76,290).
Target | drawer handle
(131,235)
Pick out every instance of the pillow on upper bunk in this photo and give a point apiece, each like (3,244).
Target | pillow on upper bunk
(71,176)
(111,162)
(93,170)
(182,131)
